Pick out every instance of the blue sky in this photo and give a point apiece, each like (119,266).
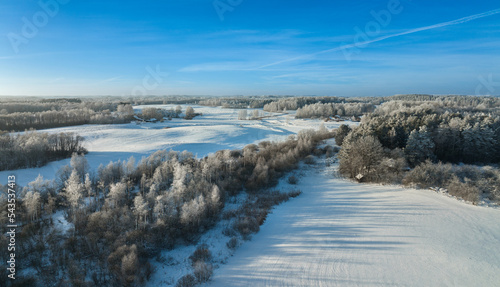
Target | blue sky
(249,47)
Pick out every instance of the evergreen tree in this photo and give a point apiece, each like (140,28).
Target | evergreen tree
(341,133)
(419,147)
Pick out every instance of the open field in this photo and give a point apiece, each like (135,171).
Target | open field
(339,233)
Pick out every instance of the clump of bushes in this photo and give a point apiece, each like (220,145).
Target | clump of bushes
(292,180)
(428,175)
(202,253)
(464,189)
(310,159)
(203,271)
(232,243)
(187,280)
(467,182)
(247,225)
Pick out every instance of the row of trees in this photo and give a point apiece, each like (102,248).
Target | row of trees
(294,103)
(34,149)
(37,116)
(237,102)
(159,113)
(125,213)
(243,115)
(319,110)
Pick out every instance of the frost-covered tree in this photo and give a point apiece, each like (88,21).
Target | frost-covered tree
(130,166)
(419,146)
(179,182)
(144,184)
(31,201)
(192,212)
(125,109)
(189,113)
(214,201)
(140,209)
(178,110)
(341,133)
(255,114)
(117,194)
(215,196)
(79,163)
(40,185)
(152,113)
(242,114)
(360,156)
(165,207)
(89,188)
(73,190)
(129,266)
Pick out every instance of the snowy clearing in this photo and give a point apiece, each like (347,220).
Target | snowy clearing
(339,233)
(215,130)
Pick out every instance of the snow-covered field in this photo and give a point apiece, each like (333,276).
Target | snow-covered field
(339,233)
(215,130)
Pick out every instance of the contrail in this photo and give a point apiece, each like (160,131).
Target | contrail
(411,31)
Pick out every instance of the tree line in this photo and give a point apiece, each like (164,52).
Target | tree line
(35,149)
(320,110)
(38,114)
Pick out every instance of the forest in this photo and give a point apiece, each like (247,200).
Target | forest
(124,213)
(441,142)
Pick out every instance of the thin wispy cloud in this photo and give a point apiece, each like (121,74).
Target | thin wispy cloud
(378,39)
(217,66)
(110,79)
(259,49)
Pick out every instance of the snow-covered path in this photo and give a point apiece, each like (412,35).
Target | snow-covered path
(339,233)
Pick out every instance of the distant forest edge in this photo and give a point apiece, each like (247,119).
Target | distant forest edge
(42,113)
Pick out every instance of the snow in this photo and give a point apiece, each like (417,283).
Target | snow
(60,222)
(173,264)
(215,130)
(340,233)
(336,232)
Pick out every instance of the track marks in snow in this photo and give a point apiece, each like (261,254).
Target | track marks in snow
(339,233)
